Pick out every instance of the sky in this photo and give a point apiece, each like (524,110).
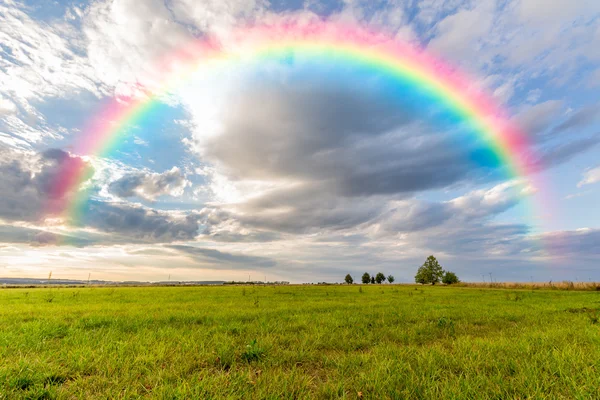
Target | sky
(297,169)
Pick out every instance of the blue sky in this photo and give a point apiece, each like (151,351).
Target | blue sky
(300,172)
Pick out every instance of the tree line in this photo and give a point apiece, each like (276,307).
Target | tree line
(367,278)
(431,272)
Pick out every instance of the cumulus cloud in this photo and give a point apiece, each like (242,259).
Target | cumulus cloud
(28,182)
(149,186)
(323,155)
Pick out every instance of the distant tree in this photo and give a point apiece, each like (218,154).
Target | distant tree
(380,277)
(430,272)
(372,279)
(349,279)
(391,278)
(366,278)
(449,278)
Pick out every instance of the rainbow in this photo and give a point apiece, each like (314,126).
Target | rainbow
(321,40)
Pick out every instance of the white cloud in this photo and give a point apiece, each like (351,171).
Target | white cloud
(149,186)
(590,176)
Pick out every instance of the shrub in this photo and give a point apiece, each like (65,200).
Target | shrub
(449,278)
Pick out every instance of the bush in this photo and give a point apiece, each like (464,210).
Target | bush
(449,278)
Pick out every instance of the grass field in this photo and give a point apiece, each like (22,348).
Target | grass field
(299,342)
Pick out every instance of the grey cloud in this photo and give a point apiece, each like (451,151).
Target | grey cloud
(39,237)
(149,185)
(579,119)
(30,182)
(332,155)
(566,244)
(228,260)
(135,223)
(560,153)
(536,119)
(32,188)
(472,209)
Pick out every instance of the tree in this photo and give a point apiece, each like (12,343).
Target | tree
(349,279)
(380,277)
(449,278)
(372,279)
(366,278)
(430,272)
(391,278)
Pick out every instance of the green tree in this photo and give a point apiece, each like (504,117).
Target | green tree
(380,277)
(349,279)
(430,272)
(449,278)
(391,278)
(372,279)
(366,278)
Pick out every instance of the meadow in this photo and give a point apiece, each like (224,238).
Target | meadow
(299,342)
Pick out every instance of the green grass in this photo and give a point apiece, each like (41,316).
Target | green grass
(299,342)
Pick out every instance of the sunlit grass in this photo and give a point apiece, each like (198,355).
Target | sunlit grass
(299,342)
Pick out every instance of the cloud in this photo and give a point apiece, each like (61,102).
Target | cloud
(149,186)
(292,158)
(564,151)
(39,237)
(517,39)
(133,223)
(581,243)
(226,260)
(28,182)
(127,41)
(537,119)
(461,33)
(579,119)
(590,176)
(465,212)
(38,61)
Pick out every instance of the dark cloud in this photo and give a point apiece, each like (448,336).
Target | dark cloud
(228,260)
(149,185)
